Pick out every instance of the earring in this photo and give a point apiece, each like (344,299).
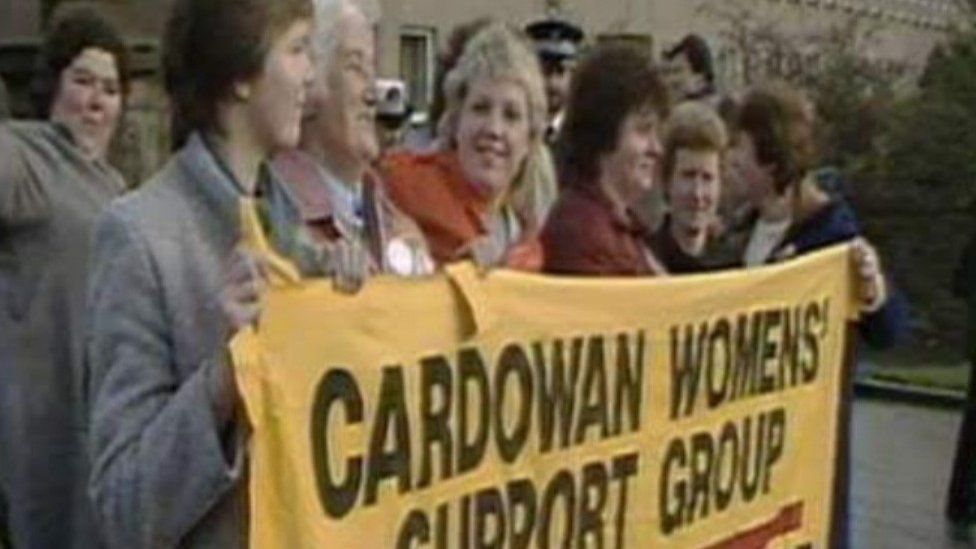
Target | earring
(242,91)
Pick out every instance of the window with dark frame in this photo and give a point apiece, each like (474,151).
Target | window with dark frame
(417,65)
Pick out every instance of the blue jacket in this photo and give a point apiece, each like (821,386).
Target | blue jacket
(833,224)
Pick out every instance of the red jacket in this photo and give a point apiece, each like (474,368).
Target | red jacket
(584,235)
(451,212)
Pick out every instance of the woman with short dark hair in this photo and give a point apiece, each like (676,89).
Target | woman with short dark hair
(72,33)
(773,152)
(611,153)
(172,283)
(691,74)
(54,182)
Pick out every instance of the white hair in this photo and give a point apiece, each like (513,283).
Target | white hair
(328,14)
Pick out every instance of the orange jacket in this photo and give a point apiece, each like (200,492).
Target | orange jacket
(451,212)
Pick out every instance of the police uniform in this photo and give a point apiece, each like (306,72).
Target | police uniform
(557,44)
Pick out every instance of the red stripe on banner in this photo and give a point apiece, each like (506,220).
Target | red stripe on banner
(789,519)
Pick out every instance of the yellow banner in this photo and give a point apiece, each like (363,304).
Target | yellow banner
(524,411)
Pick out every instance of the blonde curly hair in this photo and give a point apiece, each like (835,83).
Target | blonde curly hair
(501,51)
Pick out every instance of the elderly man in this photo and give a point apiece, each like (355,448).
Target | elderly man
(356,229)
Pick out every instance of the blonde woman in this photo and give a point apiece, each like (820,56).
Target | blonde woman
(485,195)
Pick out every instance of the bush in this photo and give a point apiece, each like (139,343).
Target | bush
(932,134)
(853,98)
(853,95)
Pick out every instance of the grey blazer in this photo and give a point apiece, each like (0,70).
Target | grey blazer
(50,197)
(164,473)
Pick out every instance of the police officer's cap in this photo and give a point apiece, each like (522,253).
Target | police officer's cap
(555,38)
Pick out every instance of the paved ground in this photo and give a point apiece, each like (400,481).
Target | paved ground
(902,456)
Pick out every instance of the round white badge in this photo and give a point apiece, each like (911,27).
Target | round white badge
(399,257)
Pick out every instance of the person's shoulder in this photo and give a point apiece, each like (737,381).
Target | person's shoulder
(25,134)
(157,203)
(580,237)
(417,178)
(577,220)
(26,127)
(577,211)
(833,223)
(302,183)
(837,218)
(293,167)
(405,167)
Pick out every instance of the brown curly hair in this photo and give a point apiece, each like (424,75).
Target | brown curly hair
(612,82)
(777,118)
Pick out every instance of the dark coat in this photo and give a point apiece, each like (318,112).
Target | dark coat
(833,224)
(676,260)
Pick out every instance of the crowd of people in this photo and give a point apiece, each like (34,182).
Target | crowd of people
(120,422)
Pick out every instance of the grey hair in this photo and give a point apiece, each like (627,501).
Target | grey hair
(328,14)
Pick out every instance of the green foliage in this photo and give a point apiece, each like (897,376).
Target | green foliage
(932,134)
(853,95)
